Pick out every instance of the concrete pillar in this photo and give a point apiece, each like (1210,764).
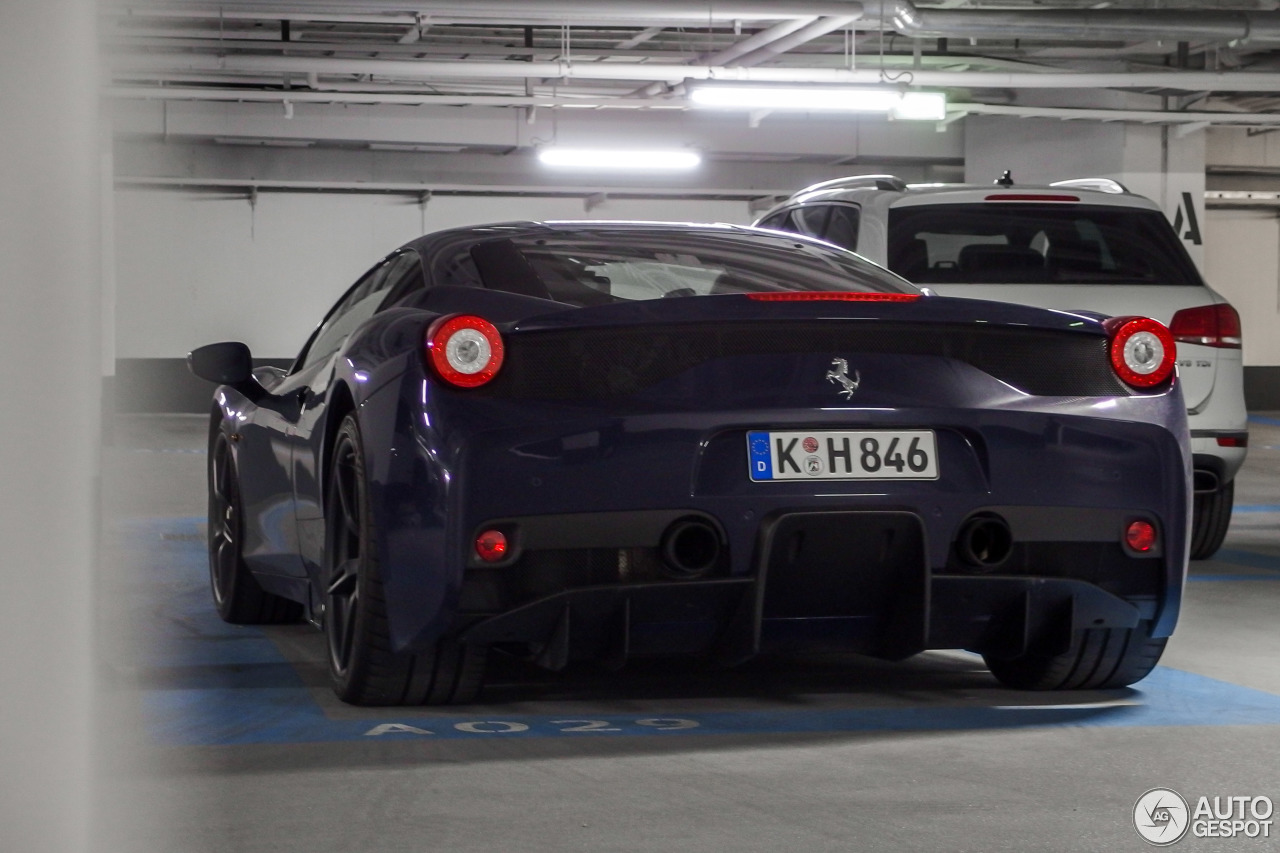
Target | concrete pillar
(49,378)
(1161,163)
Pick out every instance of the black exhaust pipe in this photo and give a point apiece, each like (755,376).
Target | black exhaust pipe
(1205,481)
(690,548)
(984,542)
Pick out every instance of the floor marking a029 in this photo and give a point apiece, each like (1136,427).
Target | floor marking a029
(498,727)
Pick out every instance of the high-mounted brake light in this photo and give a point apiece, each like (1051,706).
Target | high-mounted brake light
(1030,197)
(832,296)
(1142,350)
(1207,325)
(464,350)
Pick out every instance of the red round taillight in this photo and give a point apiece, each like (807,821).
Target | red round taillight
(1140,535)
(491,546)
(1142,350)
(464,350)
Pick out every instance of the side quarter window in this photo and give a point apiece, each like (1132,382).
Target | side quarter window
(811,219)
(456,269)
(356,306)
(842,226)
(780,221)
(404,278)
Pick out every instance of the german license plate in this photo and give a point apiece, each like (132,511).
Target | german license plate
(867,454)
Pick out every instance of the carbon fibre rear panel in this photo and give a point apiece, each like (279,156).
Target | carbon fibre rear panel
(602,364)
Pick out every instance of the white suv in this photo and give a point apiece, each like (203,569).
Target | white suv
(1075,245)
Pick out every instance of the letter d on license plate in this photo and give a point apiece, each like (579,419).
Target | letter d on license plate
(879,454)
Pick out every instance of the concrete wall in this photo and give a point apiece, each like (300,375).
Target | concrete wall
(198,267)
(1242,262)
(1237,148)
(194,267)
(55,721)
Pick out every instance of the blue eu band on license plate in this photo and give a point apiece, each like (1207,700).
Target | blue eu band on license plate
(880,454)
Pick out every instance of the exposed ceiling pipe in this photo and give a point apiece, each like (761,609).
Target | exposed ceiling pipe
(337,96)
(639,39)
(760,39)
(891,63)
(742,48)
(903,15)
(807,33)
(317,15)
(955,110)
(621,190)
(513,12)
(1189,81)
(418,50)
(1183,118)
(1082,24)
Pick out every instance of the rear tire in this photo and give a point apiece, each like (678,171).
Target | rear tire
(364,669)
(236,593)
(1211,515)
(1099,658)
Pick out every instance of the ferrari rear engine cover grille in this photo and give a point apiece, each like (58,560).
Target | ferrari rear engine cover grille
(601,364)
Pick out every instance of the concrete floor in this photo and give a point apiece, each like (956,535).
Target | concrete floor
(220,738)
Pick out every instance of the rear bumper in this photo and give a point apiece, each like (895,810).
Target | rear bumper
(1217,455)
(592,494)
(830,580)
(728,619)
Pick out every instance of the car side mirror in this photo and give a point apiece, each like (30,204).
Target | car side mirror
(227,363)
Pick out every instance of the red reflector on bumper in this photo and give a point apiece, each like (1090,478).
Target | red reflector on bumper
(1233,441)
(491,546)
(1140,535)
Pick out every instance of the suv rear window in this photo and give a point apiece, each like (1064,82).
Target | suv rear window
(1036,244)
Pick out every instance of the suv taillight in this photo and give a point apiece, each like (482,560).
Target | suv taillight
(1207,325)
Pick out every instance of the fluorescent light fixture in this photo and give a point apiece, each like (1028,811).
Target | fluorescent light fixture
(902,105)
(604,158)
(417,147)
(921,106)
(264,143)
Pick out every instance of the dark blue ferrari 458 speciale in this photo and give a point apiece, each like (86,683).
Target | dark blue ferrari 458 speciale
(588,440)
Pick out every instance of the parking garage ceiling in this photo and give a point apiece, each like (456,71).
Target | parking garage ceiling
(237,73)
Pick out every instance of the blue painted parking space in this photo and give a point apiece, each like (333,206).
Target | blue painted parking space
(1266,567)
(205,682)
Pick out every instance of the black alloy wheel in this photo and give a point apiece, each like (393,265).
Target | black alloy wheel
(236,594)
(344,517)
(363,667)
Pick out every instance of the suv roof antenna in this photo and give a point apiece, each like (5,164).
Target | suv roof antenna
(1006,180)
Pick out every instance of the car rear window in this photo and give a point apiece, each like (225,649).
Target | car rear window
(591,267)
(1036,244)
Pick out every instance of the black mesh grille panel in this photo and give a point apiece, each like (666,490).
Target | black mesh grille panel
(600,364)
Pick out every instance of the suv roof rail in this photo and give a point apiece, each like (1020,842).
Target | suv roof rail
(1105,185)
(878,182)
